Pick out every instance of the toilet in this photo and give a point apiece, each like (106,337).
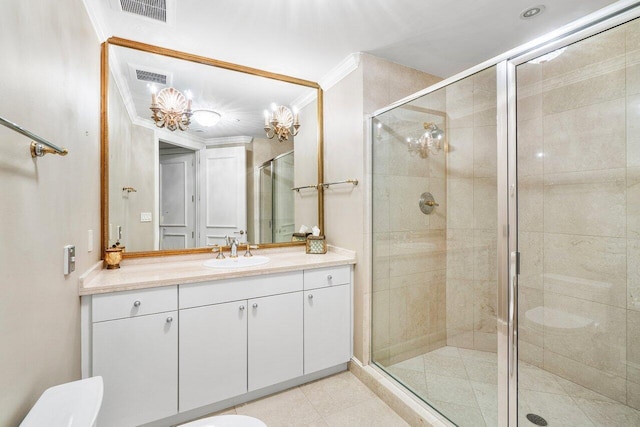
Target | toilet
(226,421)
(74,404)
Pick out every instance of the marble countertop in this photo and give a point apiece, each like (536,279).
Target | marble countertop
(140,273)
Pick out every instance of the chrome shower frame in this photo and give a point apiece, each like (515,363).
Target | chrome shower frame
(508,255)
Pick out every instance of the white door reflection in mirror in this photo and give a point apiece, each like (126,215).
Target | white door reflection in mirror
(224,195)
(177,199)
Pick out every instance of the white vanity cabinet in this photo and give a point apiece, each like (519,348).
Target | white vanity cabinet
(135,350)
(275,339)
(213,353)
(239,339)
(327,317)
(239,335)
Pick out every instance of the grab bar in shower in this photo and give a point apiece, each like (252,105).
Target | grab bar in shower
(40,146)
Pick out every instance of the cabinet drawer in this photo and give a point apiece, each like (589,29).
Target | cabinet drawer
(119,305)
(219,291)
(330,276)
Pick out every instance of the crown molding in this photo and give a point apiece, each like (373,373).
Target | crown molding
(210,142)
(340,71)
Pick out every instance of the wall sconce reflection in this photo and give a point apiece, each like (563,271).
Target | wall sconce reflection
(283,123)
(171,109)
(431,141)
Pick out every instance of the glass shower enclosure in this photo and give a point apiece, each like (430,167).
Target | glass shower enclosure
(506,219)
(276,216)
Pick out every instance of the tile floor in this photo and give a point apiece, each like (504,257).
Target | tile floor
(463,385)
(340,400)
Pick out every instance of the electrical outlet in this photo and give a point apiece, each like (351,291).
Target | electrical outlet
(145,217)
(69,259)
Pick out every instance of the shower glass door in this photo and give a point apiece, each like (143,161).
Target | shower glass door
(578,213)
(434,301)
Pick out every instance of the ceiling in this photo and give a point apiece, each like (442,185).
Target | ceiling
(308,39)
(239,98)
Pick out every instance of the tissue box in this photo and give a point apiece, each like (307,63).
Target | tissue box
(316,245)
(299,237)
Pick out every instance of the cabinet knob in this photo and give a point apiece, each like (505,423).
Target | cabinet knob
(329,277)
(137,304)
(255,305)
(310,296)
(169,319)
(241,307)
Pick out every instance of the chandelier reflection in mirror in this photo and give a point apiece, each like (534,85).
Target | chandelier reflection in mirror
(281,122)
(431,141)
(171,109)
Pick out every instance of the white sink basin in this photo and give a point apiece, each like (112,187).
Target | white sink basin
(239,262)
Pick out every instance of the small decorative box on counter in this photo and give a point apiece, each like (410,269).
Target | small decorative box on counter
(299,237)
(316,245)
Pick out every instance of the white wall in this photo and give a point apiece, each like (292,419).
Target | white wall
(50,84)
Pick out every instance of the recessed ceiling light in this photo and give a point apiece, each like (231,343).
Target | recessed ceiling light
(532,12)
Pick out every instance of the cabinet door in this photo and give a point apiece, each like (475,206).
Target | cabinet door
(213,354)
(327,327)
(275,339)
(138,361)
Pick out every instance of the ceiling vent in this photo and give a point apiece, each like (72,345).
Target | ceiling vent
(148,76)
(154,9)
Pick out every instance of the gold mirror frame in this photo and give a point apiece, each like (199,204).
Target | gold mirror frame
(104,134)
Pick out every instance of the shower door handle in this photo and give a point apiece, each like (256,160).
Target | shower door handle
(514,270)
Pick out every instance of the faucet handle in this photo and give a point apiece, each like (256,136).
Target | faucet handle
(218,249)
(249,247)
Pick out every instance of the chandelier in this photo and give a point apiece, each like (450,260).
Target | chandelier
(431,141)
(171,109)
(282,123)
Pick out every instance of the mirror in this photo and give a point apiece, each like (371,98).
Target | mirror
(184,190)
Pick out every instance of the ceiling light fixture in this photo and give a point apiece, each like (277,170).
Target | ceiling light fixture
(282,123)
(532,12)
(206,118)
(170,109)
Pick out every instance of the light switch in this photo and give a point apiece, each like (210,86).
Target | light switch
(145,216)
(90,241)
(69,259)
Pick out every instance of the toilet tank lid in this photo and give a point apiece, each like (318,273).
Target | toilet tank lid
(74,404)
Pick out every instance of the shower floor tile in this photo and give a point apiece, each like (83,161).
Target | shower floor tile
(462,384)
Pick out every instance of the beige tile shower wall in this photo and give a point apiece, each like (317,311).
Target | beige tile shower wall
(409,247)
(577,155)
(374,84)
(50,85)
(471,275)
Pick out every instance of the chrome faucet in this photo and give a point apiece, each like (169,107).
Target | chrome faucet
(233,243)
